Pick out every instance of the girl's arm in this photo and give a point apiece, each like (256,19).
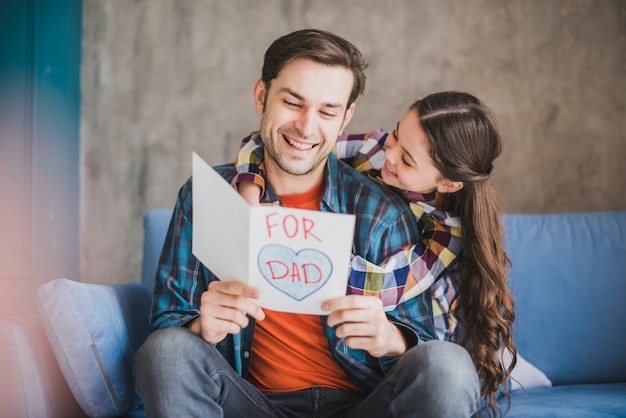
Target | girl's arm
(249,179)
(363,151)
(412,270)
(444,304)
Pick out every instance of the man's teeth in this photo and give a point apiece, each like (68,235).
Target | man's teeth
(299,145)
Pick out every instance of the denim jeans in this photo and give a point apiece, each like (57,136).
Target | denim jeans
(180,375)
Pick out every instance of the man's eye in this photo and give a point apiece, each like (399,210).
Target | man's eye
(291,104)
(328,114)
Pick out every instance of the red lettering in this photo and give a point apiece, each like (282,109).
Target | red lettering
(268,225)
(294,227)
(306,268)
(308,273)
(291,226)
(307,225)
(280,264)
(295,273)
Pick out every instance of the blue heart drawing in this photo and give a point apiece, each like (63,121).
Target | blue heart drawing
(296,274)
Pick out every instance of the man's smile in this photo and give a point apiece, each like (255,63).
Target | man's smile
(300,146)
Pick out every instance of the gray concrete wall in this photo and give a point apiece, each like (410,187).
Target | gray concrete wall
(163,78)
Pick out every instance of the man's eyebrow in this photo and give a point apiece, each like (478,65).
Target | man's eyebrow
(300,97)
(404,149)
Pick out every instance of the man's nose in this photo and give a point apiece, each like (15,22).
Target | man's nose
(307,124)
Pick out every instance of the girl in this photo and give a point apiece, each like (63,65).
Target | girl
(440,158)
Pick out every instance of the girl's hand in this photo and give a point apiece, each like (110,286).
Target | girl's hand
(250,192)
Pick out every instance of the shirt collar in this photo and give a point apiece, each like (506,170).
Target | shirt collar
(330,199)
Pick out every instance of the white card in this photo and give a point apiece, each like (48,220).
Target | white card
(297,258)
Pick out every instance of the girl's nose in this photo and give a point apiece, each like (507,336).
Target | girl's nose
(390,155)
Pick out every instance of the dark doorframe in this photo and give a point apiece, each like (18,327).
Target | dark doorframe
(39,147)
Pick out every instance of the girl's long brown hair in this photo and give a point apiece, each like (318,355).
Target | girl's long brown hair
(464,142)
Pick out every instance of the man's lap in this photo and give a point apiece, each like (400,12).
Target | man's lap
(177,354)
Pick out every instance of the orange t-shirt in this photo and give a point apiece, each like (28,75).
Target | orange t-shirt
(290,351)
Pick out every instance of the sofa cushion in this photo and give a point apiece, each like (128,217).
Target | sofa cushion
(524,374)
(583,401)
(94,331)
(567,278)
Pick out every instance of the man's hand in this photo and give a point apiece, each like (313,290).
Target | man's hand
(361,320)
(223,310)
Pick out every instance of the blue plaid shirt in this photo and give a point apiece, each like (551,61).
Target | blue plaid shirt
(384,223)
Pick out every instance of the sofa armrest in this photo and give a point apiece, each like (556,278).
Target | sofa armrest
(32,384)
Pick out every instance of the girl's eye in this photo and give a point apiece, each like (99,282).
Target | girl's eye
(405,162)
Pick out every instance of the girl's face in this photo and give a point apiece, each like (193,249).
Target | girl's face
(408,165)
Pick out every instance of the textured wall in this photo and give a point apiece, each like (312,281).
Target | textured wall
(161,79)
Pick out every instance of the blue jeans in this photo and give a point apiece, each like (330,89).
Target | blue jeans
(178,374)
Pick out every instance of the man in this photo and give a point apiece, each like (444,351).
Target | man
(215,352)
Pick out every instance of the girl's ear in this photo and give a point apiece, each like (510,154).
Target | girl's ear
(259,93)
(449,186)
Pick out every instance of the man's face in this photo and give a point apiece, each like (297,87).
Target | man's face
(303,113)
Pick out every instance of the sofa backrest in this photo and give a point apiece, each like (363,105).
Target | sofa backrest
(568,278)
(155,225)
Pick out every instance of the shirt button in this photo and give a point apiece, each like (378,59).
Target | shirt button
(246,354)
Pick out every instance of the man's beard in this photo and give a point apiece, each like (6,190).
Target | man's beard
(295,167)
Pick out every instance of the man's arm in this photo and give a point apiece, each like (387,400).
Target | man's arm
(413,316)
(413,269)
(385,224)
(180,278)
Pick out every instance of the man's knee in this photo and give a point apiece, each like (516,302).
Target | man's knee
(445,355)
(168,348)
(442,377)
(445,362)
(175,366)
(161,342)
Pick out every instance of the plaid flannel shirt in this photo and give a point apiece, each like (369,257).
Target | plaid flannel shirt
(383,223)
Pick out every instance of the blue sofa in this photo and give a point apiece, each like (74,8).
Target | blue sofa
(568,278)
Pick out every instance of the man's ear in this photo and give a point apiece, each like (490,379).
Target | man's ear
(348,116)
(259,92)
(449,186)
